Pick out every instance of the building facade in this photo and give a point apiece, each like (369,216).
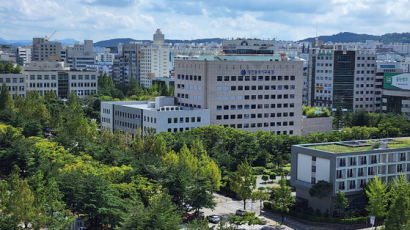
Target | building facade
(80,56)
(24,55)
(16,84)
(159,115)
(54,76)
(244,92)
(340,76)
(347,166)
(44,50)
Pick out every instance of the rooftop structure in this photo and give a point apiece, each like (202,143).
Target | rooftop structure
(347,166)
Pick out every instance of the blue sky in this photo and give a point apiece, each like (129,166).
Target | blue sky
(189,19)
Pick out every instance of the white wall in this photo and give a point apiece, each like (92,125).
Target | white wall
(304,168)
(322,169)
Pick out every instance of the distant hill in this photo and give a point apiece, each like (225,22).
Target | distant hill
(115,41)
(352,37)
(68,41)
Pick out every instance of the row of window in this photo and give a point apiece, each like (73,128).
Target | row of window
(14,88)
(84,92)
(255,115)
(45,85)
(80,77)
(8,80)
(40,77)
(189,77)
(83,84)
(372,159)
(255,78)
(254,87)
(363,65)
(362,71)
(175,120)
(259,125)
(255,106)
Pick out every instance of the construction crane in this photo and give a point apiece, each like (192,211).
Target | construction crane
(47,38)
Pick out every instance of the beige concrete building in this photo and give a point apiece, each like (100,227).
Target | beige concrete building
(244,92)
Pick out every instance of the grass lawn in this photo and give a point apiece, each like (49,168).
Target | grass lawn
(340,148)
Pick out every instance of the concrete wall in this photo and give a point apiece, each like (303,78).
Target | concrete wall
(316,124)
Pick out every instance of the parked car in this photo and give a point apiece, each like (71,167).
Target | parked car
(214,219)
(188,207)
(240,212)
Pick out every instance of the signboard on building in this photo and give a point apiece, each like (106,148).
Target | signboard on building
(396,81)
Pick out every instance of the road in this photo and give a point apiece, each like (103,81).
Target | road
(226,205)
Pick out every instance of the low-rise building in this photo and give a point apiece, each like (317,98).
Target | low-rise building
(159,115)
(347,166)
(15,82)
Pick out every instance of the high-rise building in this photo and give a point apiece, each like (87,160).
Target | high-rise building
(44,50)
(80,56)
(158,37)
(342,77)
(244,92)
(142,62)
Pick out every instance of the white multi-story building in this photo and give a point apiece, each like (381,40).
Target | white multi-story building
(16,84)
(25,54)
(342,77)
(347,166)
(245,92)
(159,115)
(249,46)
(154,61)
(54,76)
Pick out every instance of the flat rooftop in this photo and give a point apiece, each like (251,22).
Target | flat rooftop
(240,58)
(360,145)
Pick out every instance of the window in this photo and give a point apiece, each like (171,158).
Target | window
(341,185)
(313,168)
(339,174)
(342,162)
(313,180)
(352,184)
(219,78)
(226,78)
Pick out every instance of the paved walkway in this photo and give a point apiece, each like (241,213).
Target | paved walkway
(226,205)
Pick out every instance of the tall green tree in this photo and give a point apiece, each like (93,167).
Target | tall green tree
(341,201)
(376,192)
(283,198)
(5,98)
(337,119)
(321,189)
(161,214)
(398,216)
(243,182)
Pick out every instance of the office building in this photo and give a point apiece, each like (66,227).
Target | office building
(16,84)
(54,76)
(344,77)
(44,50)
(244,92)
(158,38)
(159,115)
(396,93)
(80,56)
(347,166)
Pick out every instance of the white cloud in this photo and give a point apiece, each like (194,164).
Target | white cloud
(186,19)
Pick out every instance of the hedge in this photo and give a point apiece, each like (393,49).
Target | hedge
(258,170)
(310,217)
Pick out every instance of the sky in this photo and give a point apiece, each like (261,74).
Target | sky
(192,19)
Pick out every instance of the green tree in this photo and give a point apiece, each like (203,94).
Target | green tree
(376,192)
(161,214)
(243,182)
(337,119)
(261,196)
(32,128)
(17,201)
(398,216)
(283,198)
(341,202)
(321,189)
(5,98)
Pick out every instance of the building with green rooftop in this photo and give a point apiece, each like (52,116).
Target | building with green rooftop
(347,166)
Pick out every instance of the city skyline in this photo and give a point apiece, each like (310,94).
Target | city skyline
(186,19)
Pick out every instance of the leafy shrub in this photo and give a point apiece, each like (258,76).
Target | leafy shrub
(258,170)
(272,176)
(265,178)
